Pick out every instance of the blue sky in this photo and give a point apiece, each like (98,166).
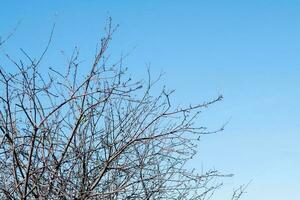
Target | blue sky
(246,50)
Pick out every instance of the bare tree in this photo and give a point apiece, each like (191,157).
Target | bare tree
(73,133)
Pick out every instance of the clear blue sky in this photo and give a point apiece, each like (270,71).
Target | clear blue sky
(249,51)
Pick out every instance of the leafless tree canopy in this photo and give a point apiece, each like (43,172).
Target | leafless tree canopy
(98,135)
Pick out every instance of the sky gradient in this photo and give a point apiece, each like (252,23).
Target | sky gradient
(247,51)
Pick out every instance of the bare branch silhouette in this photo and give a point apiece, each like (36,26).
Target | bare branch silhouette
(74,133)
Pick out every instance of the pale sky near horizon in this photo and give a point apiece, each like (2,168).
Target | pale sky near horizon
(248,51)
